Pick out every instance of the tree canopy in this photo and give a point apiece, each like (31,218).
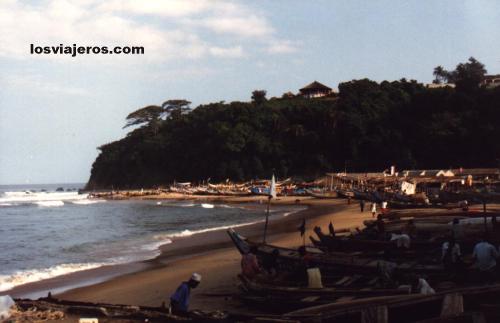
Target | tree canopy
(368,126)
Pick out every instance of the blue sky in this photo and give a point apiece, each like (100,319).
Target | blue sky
(55,110)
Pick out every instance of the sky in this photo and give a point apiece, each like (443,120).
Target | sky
(55,110)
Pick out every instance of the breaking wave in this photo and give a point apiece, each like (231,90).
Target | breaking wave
(188,233)
(87,202)
(8,282)
(45,199)
(49,203)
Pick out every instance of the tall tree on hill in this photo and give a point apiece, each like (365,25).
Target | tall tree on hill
(466,76)
(259,97)
(469,75)
(175,108)
(148,116)
(440,75)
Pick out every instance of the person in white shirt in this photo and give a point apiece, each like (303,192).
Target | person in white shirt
(374,209)
(485,255)
(451,256)
(384,207)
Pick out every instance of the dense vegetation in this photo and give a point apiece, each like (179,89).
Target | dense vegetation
(366,126)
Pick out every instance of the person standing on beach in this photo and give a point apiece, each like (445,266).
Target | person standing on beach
(374,209)
(179,301)
(249,263)
(362,205)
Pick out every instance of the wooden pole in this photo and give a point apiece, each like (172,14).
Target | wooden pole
(484,215)
(267,219)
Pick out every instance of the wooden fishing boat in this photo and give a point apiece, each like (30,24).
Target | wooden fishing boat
(291,259)
(287,296)
(345,193)
(122,312)
(430,237)
(408,205)
(333,291)
(322,195)
(470,304)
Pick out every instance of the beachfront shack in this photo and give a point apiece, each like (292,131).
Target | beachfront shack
(315,90)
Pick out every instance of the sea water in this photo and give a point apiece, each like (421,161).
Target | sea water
(44,234)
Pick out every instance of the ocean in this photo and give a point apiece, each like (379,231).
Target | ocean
(45,233)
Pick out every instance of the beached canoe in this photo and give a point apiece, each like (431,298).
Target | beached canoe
(291,259)
(470,304)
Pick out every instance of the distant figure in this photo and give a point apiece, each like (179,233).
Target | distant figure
(306,256)
(303,269)
(348,200)
(464,205)
(451,255)
(249,264)
(362,205)
(374,209)
(457,231)
(494,223)
(380,227)
(410,228)
(384,207)
(331,229)
(270,263)
(485,255)
(179,301)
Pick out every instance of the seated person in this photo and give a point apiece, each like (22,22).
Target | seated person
(179,301)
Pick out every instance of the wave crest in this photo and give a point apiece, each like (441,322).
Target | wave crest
(49,203)
(8,282)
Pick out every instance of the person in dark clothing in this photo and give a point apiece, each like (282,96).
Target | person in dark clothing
(331,229)
(362,205)
(270,263)
(179,301)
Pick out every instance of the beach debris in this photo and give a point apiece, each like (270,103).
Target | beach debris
(6,304)
(34,314)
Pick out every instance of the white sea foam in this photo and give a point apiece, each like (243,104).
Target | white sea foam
(43,198)
(87,202)
(8,282)
(207,206)
(6,204)
(158,203)
(187,233)
(155,245)
(49,203)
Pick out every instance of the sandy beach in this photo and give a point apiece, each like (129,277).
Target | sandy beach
(213,256)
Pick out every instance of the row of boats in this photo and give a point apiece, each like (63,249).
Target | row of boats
(366,277)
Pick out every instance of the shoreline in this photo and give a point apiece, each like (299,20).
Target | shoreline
(180,247)
(217,262)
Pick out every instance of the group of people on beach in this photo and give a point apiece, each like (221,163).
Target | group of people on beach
(373,207)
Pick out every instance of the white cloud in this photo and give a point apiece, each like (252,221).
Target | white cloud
(229,52)
(249,26)
(165,8)
(282,47)
(195,27)
(41,85)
